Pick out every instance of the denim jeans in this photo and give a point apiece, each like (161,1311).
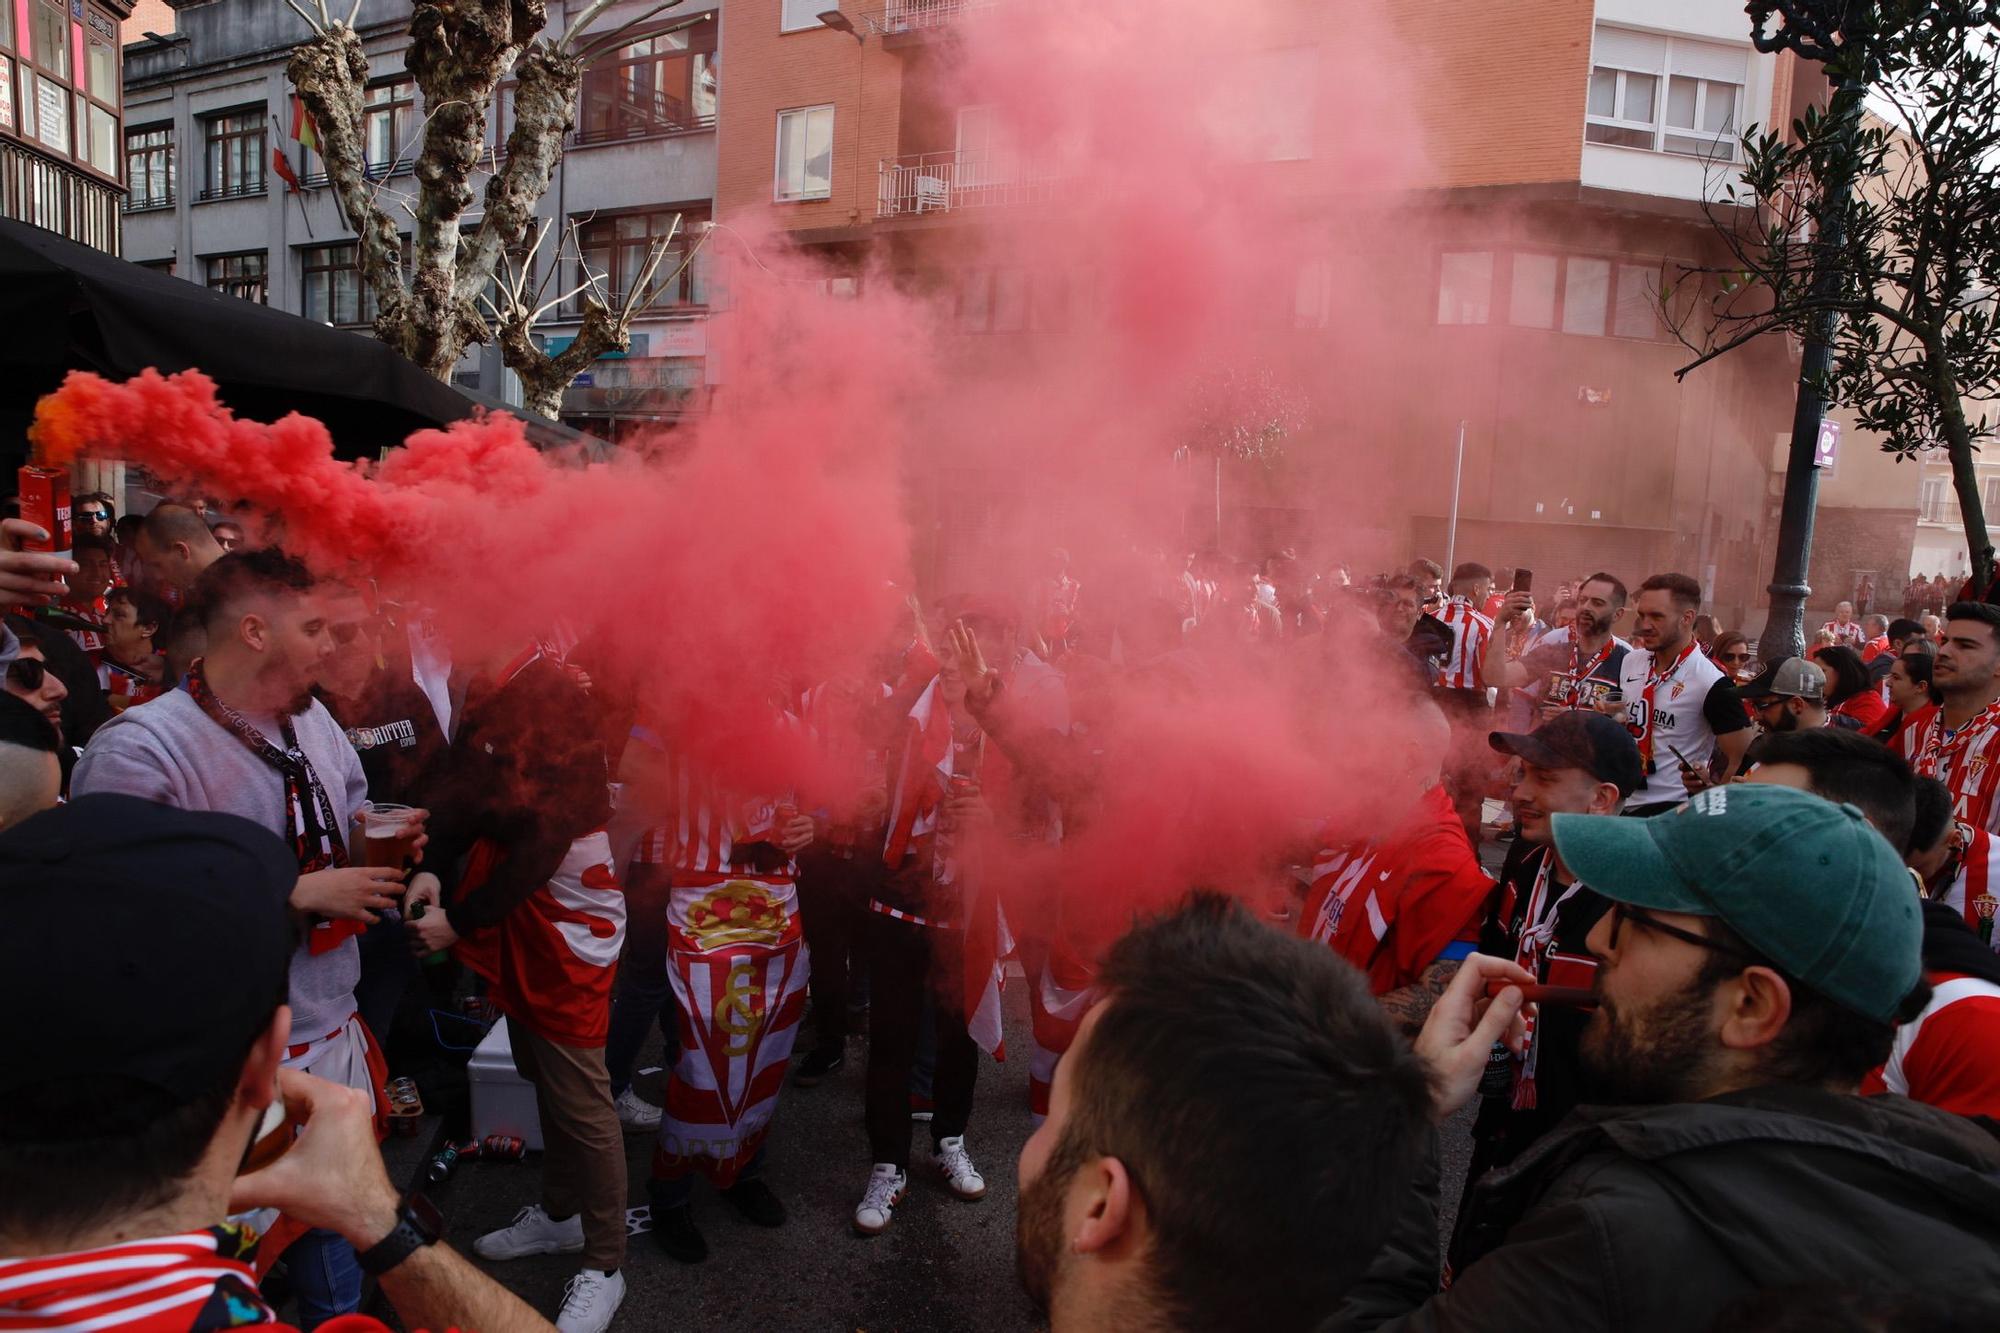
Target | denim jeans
(326,1277)
(645,992)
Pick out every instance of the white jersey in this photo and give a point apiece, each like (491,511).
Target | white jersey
(1676,721)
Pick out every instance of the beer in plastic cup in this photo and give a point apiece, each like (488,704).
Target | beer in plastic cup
(388,834)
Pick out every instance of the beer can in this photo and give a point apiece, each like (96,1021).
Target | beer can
(501,1148)
(447,1158)
(44,494)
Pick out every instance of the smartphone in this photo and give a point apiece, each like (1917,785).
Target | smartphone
(1524,580)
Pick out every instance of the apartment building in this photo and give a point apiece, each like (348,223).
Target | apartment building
(1570,149)
(61,116)
(210,105)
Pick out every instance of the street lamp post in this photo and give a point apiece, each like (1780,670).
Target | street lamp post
(1821,31)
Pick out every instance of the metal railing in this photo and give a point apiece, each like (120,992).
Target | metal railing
(240,190)
(920,15)
(947,182)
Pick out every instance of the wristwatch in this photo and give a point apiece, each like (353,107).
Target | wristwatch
(418,1224)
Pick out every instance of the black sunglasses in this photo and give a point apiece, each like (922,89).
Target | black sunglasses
(93,516)
(1622,912)
(27,673)
(1732,657)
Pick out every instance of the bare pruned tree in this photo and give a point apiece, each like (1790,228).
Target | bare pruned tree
(459,53)
(1873,227)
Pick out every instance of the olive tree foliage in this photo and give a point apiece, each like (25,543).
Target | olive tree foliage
(1872,225)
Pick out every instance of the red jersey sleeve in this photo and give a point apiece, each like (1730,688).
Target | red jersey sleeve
(1954,1064)
(1443,893)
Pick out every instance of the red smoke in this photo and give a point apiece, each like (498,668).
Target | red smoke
(1168,271)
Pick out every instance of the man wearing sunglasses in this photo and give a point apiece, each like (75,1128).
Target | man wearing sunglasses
(1761,947)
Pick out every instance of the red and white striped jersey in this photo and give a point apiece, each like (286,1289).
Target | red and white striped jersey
(1850,635)
(1461,668)
(1972,880)
(708,833)
(198,1279)
(1945,1057)
(1968,762)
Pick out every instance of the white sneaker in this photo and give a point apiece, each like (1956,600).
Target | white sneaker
(885,1190)
(961,1177)
(638,1115)
(532,1232)
(589,1301)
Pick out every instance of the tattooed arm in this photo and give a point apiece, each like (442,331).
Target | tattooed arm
(1409,1006)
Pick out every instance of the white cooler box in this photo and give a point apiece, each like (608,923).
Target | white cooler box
(502,1101)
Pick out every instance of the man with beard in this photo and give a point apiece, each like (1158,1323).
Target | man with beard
(247,738)
(1580,664)
(1961,746)
(1761,948)
(1576,763)
(1686,716)
(1788,695)
(1228,1135)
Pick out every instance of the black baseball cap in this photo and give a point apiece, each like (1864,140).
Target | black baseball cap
(141,941)
(1579,739)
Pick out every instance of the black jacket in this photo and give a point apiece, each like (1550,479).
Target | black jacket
(1659,1217)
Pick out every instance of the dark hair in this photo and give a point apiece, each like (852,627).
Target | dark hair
(1985,613)
(170,523)
(126,528)
(1919,665)
(1824,1043)
(1844,665)
(224,585)
(1425,569)
(1265,1108)
(1686,592)
(1845,766)
(1902,627)
(79,1150)
(148,608)
(1618,593)
(1400,582)
(22,724)
(1932,805)
(84,541)
(1470,572)
(95,497)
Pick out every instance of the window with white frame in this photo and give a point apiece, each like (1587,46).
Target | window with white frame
(1465,287)
(1932,497)
(1531,300)
(805,153)
(1990,491)
(1666,94)
(801,14)
(1586,291)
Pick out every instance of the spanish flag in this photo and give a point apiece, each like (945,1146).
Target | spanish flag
(302,126)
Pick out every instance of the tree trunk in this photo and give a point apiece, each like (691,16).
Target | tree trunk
(1964,476)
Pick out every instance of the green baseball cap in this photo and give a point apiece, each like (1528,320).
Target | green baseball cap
(1806,883)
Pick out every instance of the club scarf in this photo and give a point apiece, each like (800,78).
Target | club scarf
(314,829)
(1653,678)
(1538,931)
(1940,752)
(1582,669)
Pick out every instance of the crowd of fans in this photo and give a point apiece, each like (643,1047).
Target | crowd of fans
(1696,946)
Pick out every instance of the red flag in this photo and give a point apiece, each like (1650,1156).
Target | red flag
(283,166)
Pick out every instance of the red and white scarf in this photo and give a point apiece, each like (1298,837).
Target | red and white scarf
(1947,757)
(1654,677)
(1538,932)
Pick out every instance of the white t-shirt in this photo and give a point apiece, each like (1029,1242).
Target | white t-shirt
(1681,719)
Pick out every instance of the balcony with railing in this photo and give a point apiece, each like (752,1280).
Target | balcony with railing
(934,183)
(917,16)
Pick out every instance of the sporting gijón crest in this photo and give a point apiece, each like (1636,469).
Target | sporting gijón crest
(739,968)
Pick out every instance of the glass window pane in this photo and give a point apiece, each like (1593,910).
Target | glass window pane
(1639,98)
(1637,312)
(1718,114)
(1465,287)
(103,140)
(819,151)
(1531,302)
(1680,101)
(1623,136)
(1604,92)
(1587,285)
